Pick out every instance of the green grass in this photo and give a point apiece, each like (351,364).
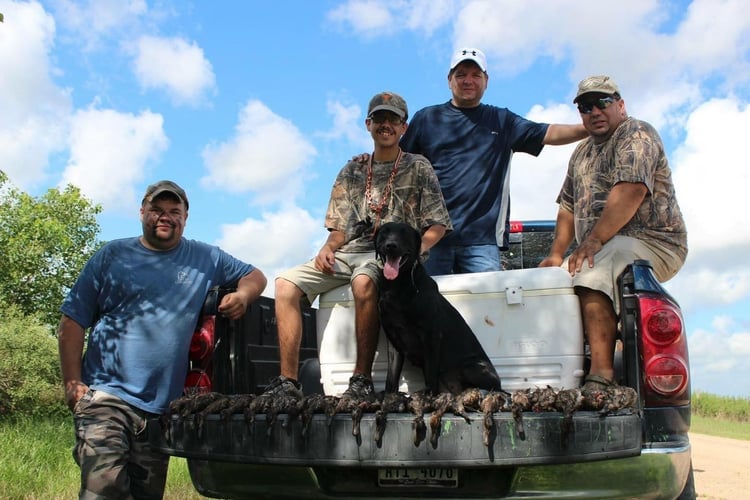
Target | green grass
(720,427)
(36,461)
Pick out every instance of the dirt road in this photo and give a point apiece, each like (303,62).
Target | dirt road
(721,467)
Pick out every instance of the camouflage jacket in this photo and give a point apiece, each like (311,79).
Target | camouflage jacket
(414,198)
(634,153)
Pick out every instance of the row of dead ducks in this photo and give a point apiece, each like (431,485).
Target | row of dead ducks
(565,401)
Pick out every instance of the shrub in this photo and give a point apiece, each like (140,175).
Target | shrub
(31,383)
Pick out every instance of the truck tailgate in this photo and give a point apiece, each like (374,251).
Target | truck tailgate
(459,444)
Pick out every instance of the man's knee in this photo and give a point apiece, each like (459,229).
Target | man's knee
(595,303)
(286,291)
(363,287)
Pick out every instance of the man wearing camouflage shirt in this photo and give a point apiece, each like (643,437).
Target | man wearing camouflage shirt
(618,202)
(391,186)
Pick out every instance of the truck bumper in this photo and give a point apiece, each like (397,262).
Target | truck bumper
(600,457)
(655,474)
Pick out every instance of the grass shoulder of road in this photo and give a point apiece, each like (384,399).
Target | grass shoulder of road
(720,427)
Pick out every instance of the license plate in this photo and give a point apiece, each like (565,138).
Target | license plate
(418,477)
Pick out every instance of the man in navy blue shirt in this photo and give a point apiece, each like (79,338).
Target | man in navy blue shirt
(470,145)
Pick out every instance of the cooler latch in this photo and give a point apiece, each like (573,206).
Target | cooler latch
(514,295)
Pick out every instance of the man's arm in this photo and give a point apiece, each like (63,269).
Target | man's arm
(623,202)
(558,134)
(70,337)
(325,259)
(431,236)
(564,234)
(249,287)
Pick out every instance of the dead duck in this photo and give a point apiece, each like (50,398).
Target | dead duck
(567,402)
(520,402)
(492,402)
(392,402)
(420,403)
(468,400)
(543,399)
(237,405)
(444,402)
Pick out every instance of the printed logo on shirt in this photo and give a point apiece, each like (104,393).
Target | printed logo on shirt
(183,278)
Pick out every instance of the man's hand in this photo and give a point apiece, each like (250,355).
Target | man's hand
(551,261)
(361,158)
(233,305)
(585,252)
(325,260)
(74,391)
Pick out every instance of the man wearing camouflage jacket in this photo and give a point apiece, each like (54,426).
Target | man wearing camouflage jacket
(619,203)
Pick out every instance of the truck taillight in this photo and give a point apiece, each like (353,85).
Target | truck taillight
(665,352)
(202,343)
(667,375)
(197,382)
(198,378)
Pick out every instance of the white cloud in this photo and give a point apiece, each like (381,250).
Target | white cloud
(348,122)
(367,17)
(266,156)
(93,20)
(536,181)
(176,66)
(34,110)
(275,243)
(428,15)
(110,153)
(718,361)
(711,176)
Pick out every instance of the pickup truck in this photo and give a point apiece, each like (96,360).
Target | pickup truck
(527,319)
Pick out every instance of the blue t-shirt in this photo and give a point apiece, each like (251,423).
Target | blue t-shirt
(470,150)
(143,307)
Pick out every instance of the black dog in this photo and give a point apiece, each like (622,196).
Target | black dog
(421,324)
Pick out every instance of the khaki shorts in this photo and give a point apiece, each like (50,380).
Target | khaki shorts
(615,256)
(348,266)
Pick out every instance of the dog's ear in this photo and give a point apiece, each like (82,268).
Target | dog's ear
(375,235)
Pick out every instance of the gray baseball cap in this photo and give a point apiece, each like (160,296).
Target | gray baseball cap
(165,186)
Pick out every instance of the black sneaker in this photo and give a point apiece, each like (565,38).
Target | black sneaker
(282,385)
(359,387)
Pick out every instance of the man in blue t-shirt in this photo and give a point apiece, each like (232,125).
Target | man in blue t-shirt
(141,298)
(470,145)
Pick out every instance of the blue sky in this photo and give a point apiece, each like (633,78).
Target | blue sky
(253,107)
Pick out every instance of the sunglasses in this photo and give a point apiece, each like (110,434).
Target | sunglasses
(393,119)
(603,103)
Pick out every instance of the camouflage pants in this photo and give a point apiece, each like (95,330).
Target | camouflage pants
(113,452)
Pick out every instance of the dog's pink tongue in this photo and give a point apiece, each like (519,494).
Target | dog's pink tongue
(390,268)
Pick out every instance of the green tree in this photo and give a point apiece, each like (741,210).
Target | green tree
(44,243)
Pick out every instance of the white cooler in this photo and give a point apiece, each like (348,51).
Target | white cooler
(527,320)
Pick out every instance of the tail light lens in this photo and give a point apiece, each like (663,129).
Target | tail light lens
(202,343)
(197,382)
(665,352)
(198,379)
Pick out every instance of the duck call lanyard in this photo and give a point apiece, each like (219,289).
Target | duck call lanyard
(379,207)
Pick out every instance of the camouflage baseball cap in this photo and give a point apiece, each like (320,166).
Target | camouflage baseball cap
(601,84)
(388,101)
(160,187)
